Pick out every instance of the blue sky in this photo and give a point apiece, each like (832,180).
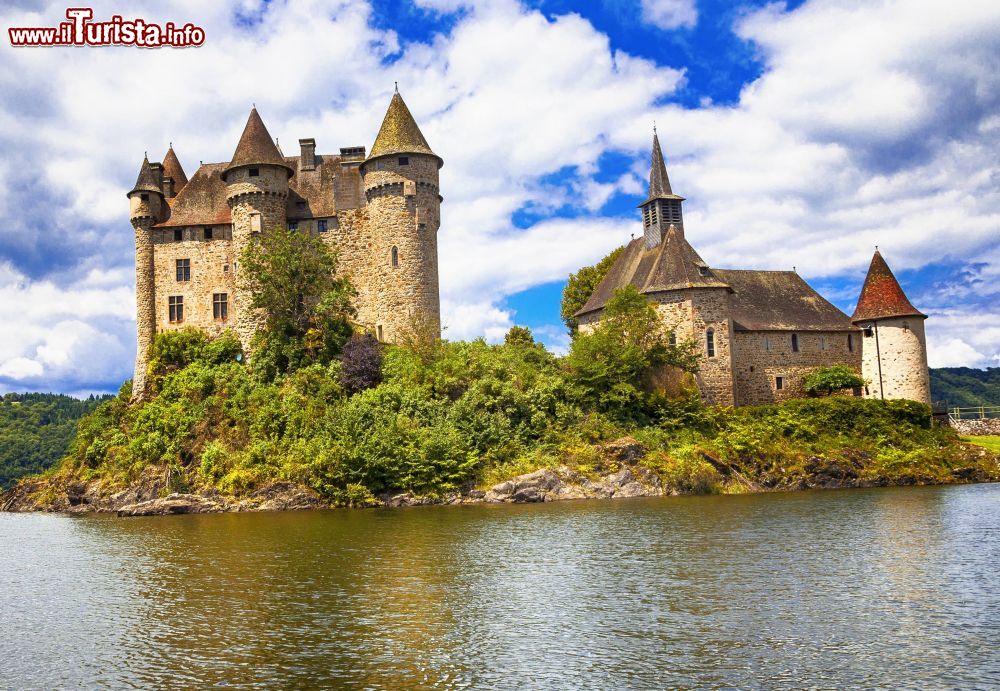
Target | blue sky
(801,133)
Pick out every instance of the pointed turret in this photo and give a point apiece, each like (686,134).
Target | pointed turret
(146,182)
(662,208)
(894,347)
(256,148)
(400,134)
(172,169)
(882,296)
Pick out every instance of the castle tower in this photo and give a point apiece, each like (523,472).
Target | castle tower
(174,178)
(145,209)
(257,192)
(894,350)
(662,207)
(400,178)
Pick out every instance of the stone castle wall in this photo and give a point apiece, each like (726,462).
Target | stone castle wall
(758,363)
(403,213)
(901,354)
(212,271)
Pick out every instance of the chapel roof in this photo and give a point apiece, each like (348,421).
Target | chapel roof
(881,295)
(779,301)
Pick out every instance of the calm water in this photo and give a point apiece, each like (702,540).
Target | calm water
(895,588)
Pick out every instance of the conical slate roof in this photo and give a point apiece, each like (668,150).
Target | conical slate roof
(659,183)
(146,182)
(399,133)
(882,296)
(172,169)
(256,147)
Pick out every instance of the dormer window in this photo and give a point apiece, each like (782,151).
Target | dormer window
(703,271)
(254,172)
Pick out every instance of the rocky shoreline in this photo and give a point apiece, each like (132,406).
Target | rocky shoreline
(626,478)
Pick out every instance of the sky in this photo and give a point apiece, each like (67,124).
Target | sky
(802,134)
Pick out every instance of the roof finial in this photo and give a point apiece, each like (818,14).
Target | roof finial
(794,269)
(876,248)
(145,154)
(170,145)
(654,126)
(397,86)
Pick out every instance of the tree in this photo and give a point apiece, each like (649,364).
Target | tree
(581,286)
(361,363)
(826,380)
(305,308)
(613,363)
(519,336)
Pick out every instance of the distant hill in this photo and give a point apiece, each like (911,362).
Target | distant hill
(36,430)
(964,386)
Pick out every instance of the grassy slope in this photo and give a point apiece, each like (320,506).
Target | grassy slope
(991,443)
(473,414)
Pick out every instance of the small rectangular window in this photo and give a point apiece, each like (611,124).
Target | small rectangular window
(220,306)
(822,342)
(404,160)
(175,304)
(795,343)
(208,233)
(869,332)
(710,343)
(254,223)
(779,383)
(183,269)
(225,268)
(767,344)
(293,225)
(144,197)
(254,172)
(378,330)
(178,234)
(321,225)
(850,343)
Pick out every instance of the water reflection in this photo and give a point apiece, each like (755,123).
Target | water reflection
(856,588)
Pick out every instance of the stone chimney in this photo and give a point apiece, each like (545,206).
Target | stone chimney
(168,187)
(307,161)
(157,173)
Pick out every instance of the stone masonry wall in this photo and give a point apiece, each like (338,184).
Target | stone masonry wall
(405,296)
(757,365)
(902,349)
(710,310)
(977,428)
(265,194)
(145,303)
(212,271)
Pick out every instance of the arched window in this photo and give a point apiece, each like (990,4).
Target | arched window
(795,343)
(710,342)
(395,257)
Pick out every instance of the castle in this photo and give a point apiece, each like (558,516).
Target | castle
(381,212)
(759,333)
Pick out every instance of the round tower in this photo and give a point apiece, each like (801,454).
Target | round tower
(257,193)
(894,349)
(403,199)
(145,209)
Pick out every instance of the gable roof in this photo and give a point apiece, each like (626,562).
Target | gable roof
(256,147)
(317,193)
(779,301)
(399,133)
(882,296)
(671,265)
(172,169)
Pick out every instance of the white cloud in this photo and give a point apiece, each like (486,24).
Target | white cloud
(670,14)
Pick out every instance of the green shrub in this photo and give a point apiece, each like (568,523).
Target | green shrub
(826,380)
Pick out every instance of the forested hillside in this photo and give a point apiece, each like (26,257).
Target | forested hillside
(964,386)
(36,430)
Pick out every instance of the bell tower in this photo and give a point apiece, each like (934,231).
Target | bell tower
(662,207)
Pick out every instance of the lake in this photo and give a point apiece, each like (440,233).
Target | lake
(887,587)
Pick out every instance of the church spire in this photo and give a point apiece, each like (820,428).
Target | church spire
(662,208)
(659,183)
